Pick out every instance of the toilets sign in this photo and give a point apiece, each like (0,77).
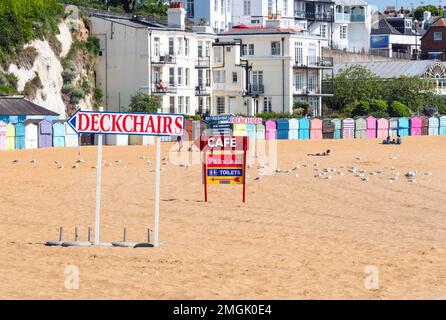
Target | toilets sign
(224,161)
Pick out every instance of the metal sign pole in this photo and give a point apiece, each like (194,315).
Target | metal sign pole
(157,188)
(97,225)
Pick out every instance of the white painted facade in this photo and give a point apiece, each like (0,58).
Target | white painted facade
(135,57)
(285,69)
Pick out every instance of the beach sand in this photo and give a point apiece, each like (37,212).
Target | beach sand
(295,237)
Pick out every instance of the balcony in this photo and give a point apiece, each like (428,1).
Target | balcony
(165,59)
(160,89)
(300,14)
(255,89)
(314,90)
(203,90)
(343,17)
(357,18)
(320,16)
(203,63)
(315,62)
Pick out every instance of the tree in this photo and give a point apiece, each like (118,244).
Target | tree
(127,5)
(355,83)
(398,109)
(143,102)
(418,14)
(301,108)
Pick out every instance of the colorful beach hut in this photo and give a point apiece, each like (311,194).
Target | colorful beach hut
(403,126)
(260,131)
(270,130)
(10,136)
(58,134)
(87,139)
(31,134)
(393,127)
(251,131)
(315,129)
(2,135)
(371,127)
(348,128)
(337,128)
(19,135)
(442,126)
(294,129)
(382,128)
(424,126)
(283,128)
(415,126)
(434,124)
(137,140)
(239,130)
(71,137)
(45,134)
(304,129)
(328,129)
(360,128)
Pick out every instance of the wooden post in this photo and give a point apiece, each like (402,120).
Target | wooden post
(76,235)
(61,234)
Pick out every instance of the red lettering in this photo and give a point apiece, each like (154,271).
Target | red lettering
(149,126)
(137,125)
(124,123)
(82,117)
(94,122)
(167,124)
(179,125)
(115,123)
(101,123)
(159,118)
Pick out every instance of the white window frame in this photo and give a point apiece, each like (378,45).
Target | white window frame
(267,104)
(436,34)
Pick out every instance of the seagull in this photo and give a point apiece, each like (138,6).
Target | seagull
(80,161)
(258,178)
(410,174)
(75,166)
(15,161)
(61,166)
(33,161)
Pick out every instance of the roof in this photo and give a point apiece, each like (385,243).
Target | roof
(384,27)
(439,23)
(245,29)
(389,69)
(351,2)
(18,106)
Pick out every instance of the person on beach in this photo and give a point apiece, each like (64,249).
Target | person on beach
(398,140)
(320,154)
(387,141)
(180,143)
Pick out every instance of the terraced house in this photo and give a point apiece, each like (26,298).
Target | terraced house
(247,69)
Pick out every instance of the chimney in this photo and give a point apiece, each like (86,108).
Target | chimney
(176,15)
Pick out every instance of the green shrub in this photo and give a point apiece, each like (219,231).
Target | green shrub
(398,109)
(76,95)
(362,108)
(67,89)
(31,87)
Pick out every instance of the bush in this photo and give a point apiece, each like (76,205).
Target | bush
(26,57)
(31,87)
(76,95)
(67,89)
(398,109)
(362,108)
(8,84)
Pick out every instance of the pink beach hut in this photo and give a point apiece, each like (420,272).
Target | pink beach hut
(415,126)
(370,127)
(270,130)
(2,136)
(382,128)
(315,129)
(348,128)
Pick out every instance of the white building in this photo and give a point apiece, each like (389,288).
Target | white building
(213,13)
(268,69)
(341,24)
(245,70)
(136,56)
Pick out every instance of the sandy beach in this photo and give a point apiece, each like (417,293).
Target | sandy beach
(301,237)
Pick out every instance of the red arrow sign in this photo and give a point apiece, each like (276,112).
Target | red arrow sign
(236,179)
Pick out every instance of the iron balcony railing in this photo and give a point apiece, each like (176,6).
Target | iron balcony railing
(315,62)
(164,59)
(203,62)
(320,16)
(203,89)
(299,14)
(163,89)
(256,88)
